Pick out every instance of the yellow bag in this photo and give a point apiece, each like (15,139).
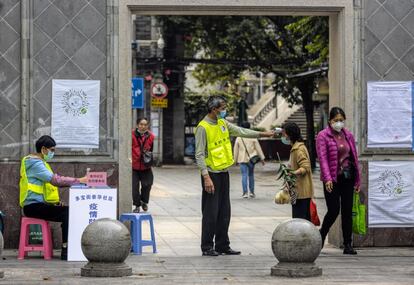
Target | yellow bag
(282,197)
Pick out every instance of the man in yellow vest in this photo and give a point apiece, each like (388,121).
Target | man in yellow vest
(39,193)
(214,156)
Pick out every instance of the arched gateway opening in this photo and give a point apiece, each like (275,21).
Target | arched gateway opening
(341,70)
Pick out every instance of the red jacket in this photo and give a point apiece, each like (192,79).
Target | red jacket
(328,154)
(148,137)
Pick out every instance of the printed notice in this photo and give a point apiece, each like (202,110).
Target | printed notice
(390,114)
(75,113)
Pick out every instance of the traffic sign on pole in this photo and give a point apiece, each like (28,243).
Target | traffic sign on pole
(138,93)
(159,90)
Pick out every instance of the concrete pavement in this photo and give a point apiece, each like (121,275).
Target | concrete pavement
(175,205)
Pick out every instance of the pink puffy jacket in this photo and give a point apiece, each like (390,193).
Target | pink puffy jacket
(327,150)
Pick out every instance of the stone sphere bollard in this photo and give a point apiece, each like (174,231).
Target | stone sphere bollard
(296,244)
(106,243)
(1,251)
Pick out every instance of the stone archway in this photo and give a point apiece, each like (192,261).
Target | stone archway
(341,74)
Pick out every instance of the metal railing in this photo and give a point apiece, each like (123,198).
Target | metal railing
(267,107)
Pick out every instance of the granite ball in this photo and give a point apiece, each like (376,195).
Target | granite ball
(296,240)
(106,240)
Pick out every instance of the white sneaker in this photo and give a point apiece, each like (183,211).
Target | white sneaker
(252,195)
(245,195)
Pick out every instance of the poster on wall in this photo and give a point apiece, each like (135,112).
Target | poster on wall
(75,113)
(390,114)
(85,206)
(390,194)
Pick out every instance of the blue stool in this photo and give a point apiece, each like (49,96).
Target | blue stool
(136,231)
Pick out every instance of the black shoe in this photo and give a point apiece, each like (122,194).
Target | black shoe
(229,252)
(348,249)
(144,206)
(64,253)
(136,210)
(210,252)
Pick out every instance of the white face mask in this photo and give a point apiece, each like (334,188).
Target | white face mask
(338,126)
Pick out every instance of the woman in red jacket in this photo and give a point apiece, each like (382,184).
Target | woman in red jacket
(142,146)
(338,161)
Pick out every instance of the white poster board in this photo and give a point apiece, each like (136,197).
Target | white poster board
(85,206)
(391,194)
(75,113)
(390,114)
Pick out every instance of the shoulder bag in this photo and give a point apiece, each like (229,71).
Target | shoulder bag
(254,159)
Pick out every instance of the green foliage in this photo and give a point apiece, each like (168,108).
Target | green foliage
(195,104)
(314,32)
(285,173)
(271,44)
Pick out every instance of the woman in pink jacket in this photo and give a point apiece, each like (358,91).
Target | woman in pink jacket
(338,161)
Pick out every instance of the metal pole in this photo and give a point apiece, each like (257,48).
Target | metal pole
(159,137)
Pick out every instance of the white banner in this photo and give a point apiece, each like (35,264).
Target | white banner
(391,194)
(75,113)
(85,206)
(390,114)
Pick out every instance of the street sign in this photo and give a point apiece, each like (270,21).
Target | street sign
(159,90)
(138,93)
(159,103)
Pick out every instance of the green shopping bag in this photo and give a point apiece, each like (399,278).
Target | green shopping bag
(358,216)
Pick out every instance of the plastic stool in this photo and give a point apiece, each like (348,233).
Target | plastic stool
(24,245)
(136,231)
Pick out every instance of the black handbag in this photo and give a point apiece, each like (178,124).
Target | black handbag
(147,158)
(254,159)
(146,155)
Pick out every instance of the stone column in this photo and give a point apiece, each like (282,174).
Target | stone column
(1,251)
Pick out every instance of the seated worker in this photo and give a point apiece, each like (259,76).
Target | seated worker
(39,194)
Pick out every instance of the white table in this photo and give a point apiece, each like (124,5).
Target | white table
(86,205)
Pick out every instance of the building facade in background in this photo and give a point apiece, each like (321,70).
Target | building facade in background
(78,39)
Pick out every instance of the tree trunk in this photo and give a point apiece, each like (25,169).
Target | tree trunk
(306,87)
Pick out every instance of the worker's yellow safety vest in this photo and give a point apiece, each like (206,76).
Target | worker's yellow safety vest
(219,152)
(50,193)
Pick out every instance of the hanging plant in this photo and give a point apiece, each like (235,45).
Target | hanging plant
(289,183)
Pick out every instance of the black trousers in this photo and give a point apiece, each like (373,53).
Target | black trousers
(341,198)
(301,209)
(50,213)
(142,181)
(216,213)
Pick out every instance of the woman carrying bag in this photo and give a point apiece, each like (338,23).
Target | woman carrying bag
(142,177)
(338,160)
(300,165)
(247,152)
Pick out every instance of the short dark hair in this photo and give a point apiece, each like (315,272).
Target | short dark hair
(44,141)
(246,125)
(335,111)
(293,132)
(142,118)
(215,101)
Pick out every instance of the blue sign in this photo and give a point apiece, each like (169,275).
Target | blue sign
(138,93)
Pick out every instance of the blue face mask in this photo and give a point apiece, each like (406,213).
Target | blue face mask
(222,114)
(49,155)
(285,140)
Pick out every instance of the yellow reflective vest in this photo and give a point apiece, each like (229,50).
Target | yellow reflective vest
(50,193)
(219,152)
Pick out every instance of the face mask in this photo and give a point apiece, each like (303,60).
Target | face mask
(222,114)
(49,155)
(338,126)
(285,140)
